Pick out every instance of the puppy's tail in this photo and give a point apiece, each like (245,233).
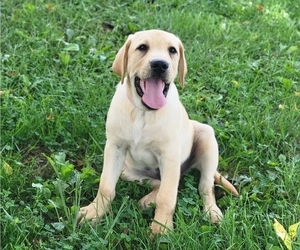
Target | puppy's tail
(222,181)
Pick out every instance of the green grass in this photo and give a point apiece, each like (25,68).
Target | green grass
(243,79)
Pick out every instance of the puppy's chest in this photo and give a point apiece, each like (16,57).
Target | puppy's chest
(141,137)
(141,131)
(142,142)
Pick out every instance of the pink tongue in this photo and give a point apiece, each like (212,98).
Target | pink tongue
(153,93)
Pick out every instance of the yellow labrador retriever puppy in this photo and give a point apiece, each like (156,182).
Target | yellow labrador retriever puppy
(149,134)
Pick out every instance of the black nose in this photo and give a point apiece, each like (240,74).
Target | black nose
(159,66)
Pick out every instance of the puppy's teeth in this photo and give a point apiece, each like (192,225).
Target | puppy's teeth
(143,86)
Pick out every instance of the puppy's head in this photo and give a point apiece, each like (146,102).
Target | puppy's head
(151,60)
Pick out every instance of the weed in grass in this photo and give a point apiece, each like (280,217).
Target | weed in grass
(56,86)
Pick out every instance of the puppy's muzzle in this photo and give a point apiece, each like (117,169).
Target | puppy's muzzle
(154,89)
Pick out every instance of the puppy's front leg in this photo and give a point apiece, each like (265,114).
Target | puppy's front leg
(167,195)
(114,158)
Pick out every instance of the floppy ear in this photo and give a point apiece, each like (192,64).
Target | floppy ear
(182,65)
(120,63)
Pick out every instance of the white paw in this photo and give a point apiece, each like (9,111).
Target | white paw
(215,214)
(147,200)
(91,212)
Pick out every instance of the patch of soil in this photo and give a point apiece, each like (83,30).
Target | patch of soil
(38,162)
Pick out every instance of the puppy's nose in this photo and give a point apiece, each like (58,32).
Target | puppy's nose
(159,66)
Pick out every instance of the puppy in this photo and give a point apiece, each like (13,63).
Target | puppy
(149,134)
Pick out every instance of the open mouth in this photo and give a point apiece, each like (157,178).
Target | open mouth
(153,92)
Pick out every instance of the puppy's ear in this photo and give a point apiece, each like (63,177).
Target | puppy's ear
(120,63)
(182,65)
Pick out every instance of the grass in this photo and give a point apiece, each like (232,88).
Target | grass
(56,85)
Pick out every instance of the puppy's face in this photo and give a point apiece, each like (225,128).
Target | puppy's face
(151,59)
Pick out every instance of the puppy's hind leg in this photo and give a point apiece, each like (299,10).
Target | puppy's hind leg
(206,161)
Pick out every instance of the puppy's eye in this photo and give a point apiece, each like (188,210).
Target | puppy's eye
(172,50)
(143,47)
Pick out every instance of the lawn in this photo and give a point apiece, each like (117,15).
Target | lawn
(56,85)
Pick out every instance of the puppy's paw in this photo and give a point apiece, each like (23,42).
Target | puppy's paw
(158,228)
(215,214)
(91,212)
(147,200)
